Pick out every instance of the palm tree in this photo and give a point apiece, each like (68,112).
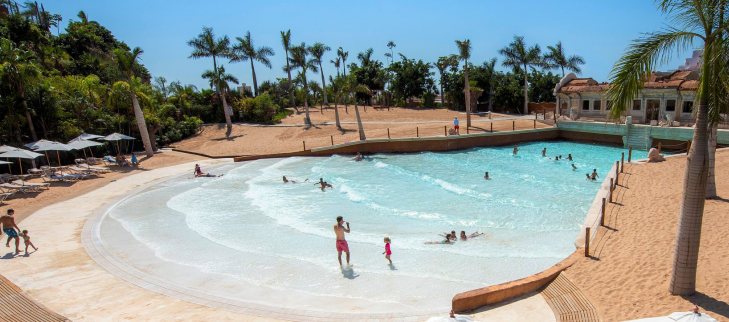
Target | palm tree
(244,50)
(206,45)
(339,91)
(518,56)
(443,63)
(317,50)
(343,54)
(18,70)
(698,20)
(337,63)
(464,53)
(126,61)
(220,80)
(557,58)
(490,69)
(391,54)
(299,59)
(351,86)
(286,41)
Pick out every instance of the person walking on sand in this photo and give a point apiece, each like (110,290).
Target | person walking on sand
(342,246)
(387,251)
(26,240)
(455,125)
(9,227)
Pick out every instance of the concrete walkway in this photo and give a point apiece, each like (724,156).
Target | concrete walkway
(63,277)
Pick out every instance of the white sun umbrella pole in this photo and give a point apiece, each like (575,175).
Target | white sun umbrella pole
(20,154)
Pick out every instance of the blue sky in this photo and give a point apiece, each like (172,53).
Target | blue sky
(599,31)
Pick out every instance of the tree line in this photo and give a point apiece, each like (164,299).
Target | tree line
(397,81)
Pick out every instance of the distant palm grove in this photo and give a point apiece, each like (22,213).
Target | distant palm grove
(82,79)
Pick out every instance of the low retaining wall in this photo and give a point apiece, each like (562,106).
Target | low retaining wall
(490,295)
(412,145)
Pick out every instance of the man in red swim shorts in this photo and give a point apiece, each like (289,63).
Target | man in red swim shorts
(455,125)
(342,246)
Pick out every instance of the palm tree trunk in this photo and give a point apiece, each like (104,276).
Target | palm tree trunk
(307,120)
(359,124)
(336,116)
(562,71)
(442,95)
(468,97)
(142,125)
(255,83)
(228,123)
(30,120)
(323,87)
(291,83)
(526,92)
(711,180)
(686,252)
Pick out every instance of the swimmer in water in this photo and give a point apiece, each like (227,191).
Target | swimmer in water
(574,167)
(486,176)
(544,152)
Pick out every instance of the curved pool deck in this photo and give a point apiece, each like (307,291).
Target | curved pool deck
(69,281)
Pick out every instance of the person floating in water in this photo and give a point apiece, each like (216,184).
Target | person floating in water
(358,157)
(287,180)
(387,251)
(486,176)
(574,167)
(594,174)
(556,158)
(199,173)
(323,184)
(516,149)
(464,237)
(544,152)
(569,157)
(341,243)
(447,240)
(560,157)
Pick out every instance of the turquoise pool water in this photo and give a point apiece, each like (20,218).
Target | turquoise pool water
(250,238)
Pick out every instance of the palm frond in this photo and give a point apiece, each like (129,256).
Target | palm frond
(642,57)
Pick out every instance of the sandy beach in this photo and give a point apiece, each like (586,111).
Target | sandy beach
(631,270)
(627,278)
(290,135)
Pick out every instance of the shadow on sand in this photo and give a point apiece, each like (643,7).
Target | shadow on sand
(348,272)
(709,303)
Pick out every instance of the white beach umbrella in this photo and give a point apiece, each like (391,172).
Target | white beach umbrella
(5,162)
(6,148)
(82,144)
(117,137)
(87,136)
(45,145)
(20,154)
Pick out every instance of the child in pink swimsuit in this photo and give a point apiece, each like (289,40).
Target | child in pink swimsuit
(387,251)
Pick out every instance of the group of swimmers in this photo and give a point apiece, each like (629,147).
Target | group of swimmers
(452,237)
(321,182)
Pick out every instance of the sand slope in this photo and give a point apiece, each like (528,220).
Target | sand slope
(629,277)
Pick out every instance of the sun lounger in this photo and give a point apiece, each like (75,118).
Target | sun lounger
(109,160)
(15,187)
(5,195)
(32,184)
(84,169)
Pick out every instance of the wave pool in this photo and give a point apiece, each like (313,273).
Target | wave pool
(247,241)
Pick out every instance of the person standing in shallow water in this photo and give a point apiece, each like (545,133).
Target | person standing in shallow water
(516,149)
(341,243)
